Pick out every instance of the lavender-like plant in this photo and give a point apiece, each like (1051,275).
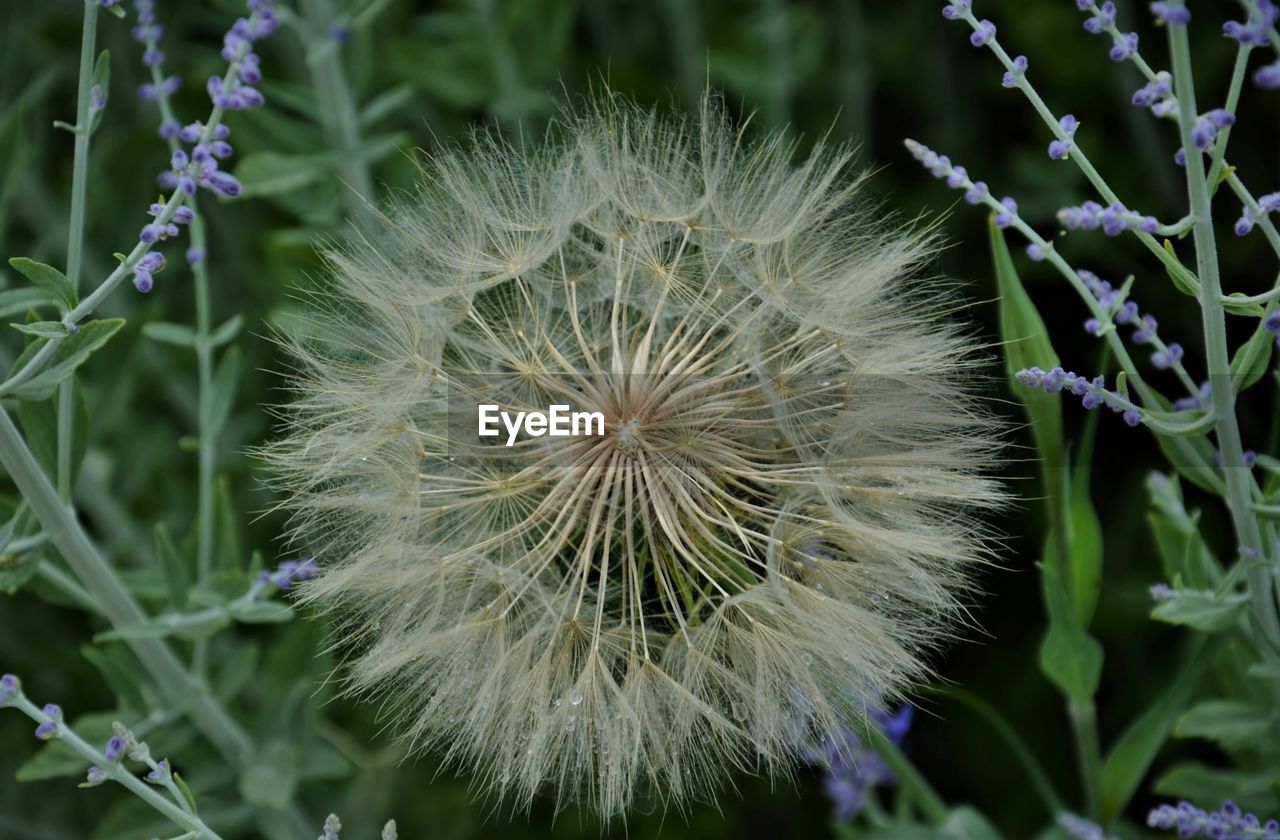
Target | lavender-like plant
(1197,426)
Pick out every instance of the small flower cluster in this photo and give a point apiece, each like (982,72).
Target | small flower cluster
(1114,220)
(200,168)
(290,572)
(1078,828)
(1126,312)
(148,32)
(1267,204)
(1171,15)
(1092,393)
(852,767)
(1253,32)
(1060,147)
(1103,19)
(1228,823)
(1012,77)
(1157,95)
(957,177)
(1209,125)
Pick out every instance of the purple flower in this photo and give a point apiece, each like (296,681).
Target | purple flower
(195,255)
(1161,592)
(95,776)
(1092,393)
(1199,400)
(1208,125)
(9,689)
(223,184)
(1170,14)
(115,748)
(983,33)
(160,773)
(1168,357)
(956,9)
(1146,333)
(49,728)
(1011,77)
(1253,32)
(1125,46)
(1155,92)
(1061,147)
(1010,212)
(853,768)
(1268,76)
(1101,19)
(1229,822)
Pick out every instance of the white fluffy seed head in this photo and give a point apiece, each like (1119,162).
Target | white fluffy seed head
(778,524)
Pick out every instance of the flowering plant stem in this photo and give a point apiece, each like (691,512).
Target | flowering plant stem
(1084,723)
(114,771)
(75,234)
(1227,430)
(337,108)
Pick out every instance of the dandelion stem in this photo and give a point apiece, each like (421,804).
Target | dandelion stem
(1237,476)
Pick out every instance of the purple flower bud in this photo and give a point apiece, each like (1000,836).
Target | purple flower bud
(170,85)
(224,184)
(195,255)
(220,149)
(977,194)
(115,748)
(1133,417)
(1167,358)
(160,773)
(1090,401)
(221,131)
(143,281)
(957,177)
(1268,76)
(985,31)
(214,85)
(184,215)
(1059,149)
(97,99)
(1148,224)
(1005,217)
(1125,47)
(191,132)
(49,728)
(152,58)
(95,776)
(1020,65)
(150,233)
(147,92)
(1161,592)
(1093,326)
(1128,313)
(151,261)
(1272,323)
(168,129)
(179,160)
(1245,223)
(1220,118)
(1172,15)
(1035,252)
(1145,333)
(9,688)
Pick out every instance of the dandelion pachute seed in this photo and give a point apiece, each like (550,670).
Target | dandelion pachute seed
(780,520)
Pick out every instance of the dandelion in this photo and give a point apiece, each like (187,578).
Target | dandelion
(780,517)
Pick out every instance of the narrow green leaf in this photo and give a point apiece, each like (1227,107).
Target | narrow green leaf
(102,81)
(175,568)
(271,173)
(13,301)
(1193,781)
(1069,657)
(179,335)
(1205,611)
(186,791)
(263,612)
(48,278)
(226,331)
(1135,750)
(1237,303)
(227,533)
(1183,279)
(1232,724)
(43,329)
(226,380)
(1250,361)
(70,354)
(1183,552)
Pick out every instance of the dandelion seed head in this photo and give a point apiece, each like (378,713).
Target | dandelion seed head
(782,514)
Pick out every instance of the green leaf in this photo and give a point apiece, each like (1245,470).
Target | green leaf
(1250,361)
(39,421)
(17,569)
(175,568)
(227,331)
(186,791)
(72,352)
(1135,750)
(102,80)
(1233,724)
(1069,657)
(179,335)
(43,329)
(237,671)
(1183,552)
(226,379)
(263,612)
(55,759)
(227,536)
(1189,780)
(272,173)
(1183,279)
(119,673)
(271,777)
(1206,611)
(13,301)
(48,278)
(1238,303)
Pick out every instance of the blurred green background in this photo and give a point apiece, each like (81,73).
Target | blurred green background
(420,74)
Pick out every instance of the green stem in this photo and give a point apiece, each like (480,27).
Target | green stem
(75,234)
(115,601)
(119,774)
(338,114)
(909,779)
(1021,752)
(1238,497)
(1084,724)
